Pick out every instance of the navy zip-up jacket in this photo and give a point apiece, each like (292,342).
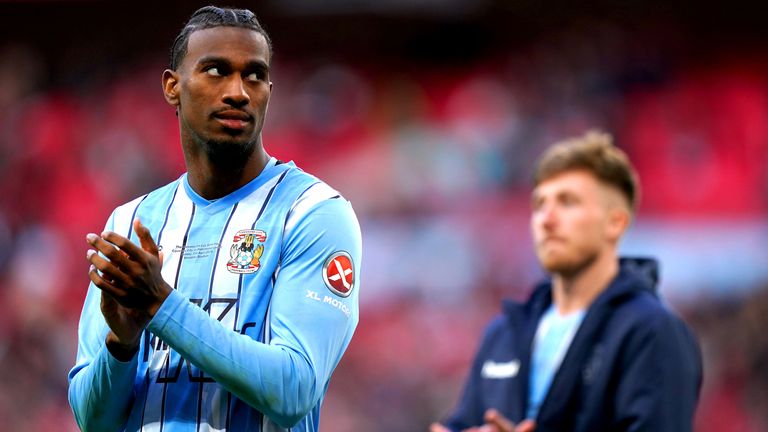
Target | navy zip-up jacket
(633,365)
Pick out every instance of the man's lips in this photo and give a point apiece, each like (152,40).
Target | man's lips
(550,240)
(233,119)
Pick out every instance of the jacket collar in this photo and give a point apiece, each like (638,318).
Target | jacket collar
(635,274)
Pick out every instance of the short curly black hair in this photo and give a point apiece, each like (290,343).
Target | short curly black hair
(213,16)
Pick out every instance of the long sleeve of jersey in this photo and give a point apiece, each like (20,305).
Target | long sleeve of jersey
(308,326)
(100,390)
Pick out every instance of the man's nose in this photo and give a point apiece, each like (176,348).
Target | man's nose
(235,93)
(547,216)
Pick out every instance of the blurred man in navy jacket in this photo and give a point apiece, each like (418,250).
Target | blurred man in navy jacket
(594,348)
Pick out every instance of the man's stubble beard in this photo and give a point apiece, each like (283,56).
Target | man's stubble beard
(225,153)
(228,153)
(570,268)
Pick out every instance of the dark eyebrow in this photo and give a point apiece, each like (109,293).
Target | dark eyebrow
(251,65)
(212,59)
(257,65)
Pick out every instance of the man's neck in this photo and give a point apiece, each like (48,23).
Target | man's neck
(575,292)
(212,181)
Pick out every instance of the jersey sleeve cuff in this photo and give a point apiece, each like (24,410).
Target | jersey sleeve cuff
(166,311)
(116,366)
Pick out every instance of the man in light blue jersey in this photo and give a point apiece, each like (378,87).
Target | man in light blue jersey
(594,348)
(224,300)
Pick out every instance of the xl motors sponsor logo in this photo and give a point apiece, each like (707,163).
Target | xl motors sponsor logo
(339,273)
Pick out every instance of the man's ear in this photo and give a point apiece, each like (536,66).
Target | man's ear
(171,87)
(619,218)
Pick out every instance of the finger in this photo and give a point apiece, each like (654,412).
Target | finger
(104,285)
(147,242)
(110,272)
(495,418)
(114,254)
(526,426)
(131,250)
(437,427)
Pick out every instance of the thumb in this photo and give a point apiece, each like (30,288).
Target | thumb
(147,243)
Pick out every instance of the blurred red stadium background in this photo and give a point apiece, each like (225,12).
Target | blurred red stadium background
(428,116)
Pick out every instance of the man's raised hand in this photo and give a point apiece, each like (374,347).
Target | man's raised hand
(128,272)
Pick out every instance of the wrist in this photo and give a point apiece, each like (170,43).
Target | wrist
(121,351)
(165,291)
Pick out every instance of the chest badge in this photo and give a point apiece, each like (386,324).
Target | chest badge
(246,251)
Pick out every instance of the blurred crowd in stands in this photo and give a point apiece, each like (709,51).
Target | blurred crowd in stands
(436,162)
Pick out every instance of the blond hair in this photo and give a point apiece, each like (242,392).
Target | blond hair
(595,153)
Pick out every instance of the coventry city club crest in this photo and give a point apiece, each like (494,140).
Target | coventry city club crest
(245,253)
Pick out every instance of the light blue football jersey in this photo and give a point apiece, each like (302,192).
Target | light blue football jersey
(265,301)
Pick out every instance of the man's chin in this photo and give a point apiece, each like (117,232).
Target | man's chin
(563,266)
(229,150)
(558,264)
(555,267)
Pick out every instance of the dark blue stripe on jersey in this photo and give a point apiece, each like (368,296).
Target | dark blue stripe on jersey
(167,212)
(183,247)
(266,200)
(305,190)
(147,346)
(175,286)
(199,402)
(229,409)
(261,211)
(165,389)
(267,327)
(146,395)
(210,294)
(133,216)
(287,215)
(147,338)
(240,280)
(216,257)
